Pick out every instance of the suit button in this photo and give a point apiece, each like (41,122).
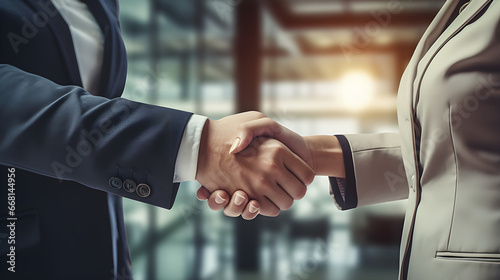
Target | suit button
(115,183)
(129,186)
(143,190)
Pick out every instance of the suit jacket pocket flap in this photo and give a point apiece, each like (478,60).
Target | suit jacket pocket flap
(465,256)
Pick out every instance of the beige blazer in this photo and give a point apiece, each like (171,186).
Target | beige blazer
(446,158)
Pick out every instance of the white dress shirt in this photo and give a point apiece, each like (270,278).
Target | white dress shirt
(88,41)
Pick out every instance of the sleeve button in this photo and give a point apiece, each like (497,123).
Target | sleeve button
(129,186)
(143,190)
(115,183)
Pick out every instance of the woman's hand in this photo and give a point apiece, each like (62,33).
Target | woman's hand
(235,206)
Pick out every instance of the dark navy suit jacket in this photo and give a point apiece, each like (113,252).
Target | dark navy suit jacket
(71,149)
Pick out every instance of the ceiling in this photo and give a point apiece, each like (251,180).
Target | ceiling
(302,39)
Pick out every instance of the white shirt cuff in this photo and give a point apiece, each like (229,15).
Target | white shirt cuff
(187,156)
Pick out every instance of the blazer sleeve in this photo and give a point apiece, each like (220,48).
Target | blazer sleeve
(66,133)
(374,171)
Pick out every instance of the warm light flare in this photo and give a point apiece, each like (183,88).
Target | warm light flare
(357,90)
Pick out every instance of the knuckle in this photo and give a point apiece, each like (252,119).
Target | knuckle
(280,147)
(272,166)
(309,178)
(276,151)
(257,114)
(269,124)
(301,193)
(274,212)
(244,126)
(275,127)
(262,182)
(288,205)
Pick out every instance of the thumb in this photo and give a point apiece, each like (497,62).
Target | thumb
(256,128)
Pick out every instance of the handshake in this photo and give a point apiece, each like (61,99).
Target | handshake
(249,164)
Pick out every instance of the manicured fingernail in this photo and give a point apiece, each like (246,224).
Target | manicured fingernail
(253,209)
(219,199)
(239,199)
(235,144)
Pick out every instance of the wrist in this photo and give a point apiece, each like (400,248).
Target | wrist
(327,156)
(213,156)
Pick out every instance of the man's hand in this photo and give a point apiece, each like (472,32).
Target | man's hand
(266,171)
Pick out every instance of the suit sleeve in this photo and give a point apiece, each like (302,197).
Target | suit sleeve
(374,171)
(66,133)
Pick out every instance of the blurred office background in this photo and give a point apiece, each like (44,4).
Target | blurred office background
(316,66)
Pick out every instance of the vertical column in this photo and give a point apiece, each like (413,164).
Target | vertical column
(248,55)
(247,65)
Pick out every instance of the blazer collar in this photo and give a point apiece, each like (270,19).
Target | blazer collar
(435,37)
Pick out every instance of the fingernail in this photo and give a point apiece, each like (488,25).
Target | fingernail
(239,200)
(219,199)
(253,209)
(235,144)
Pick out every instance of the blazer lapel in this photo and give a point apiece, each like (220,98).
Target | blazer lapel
(63,37)
(114,65)
(114,68)
(428,39)
(405,92)
(473,9)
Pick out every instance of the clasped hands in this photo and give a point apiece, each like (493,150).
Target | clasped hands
(249,164)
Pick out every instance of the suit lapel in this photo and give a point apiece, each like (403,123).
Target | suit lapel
(435,45)
(62,35)
(96,8)
(428,38)
(114,65)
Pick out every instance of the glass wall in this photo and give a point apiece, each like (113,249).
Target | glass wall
(325,67)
